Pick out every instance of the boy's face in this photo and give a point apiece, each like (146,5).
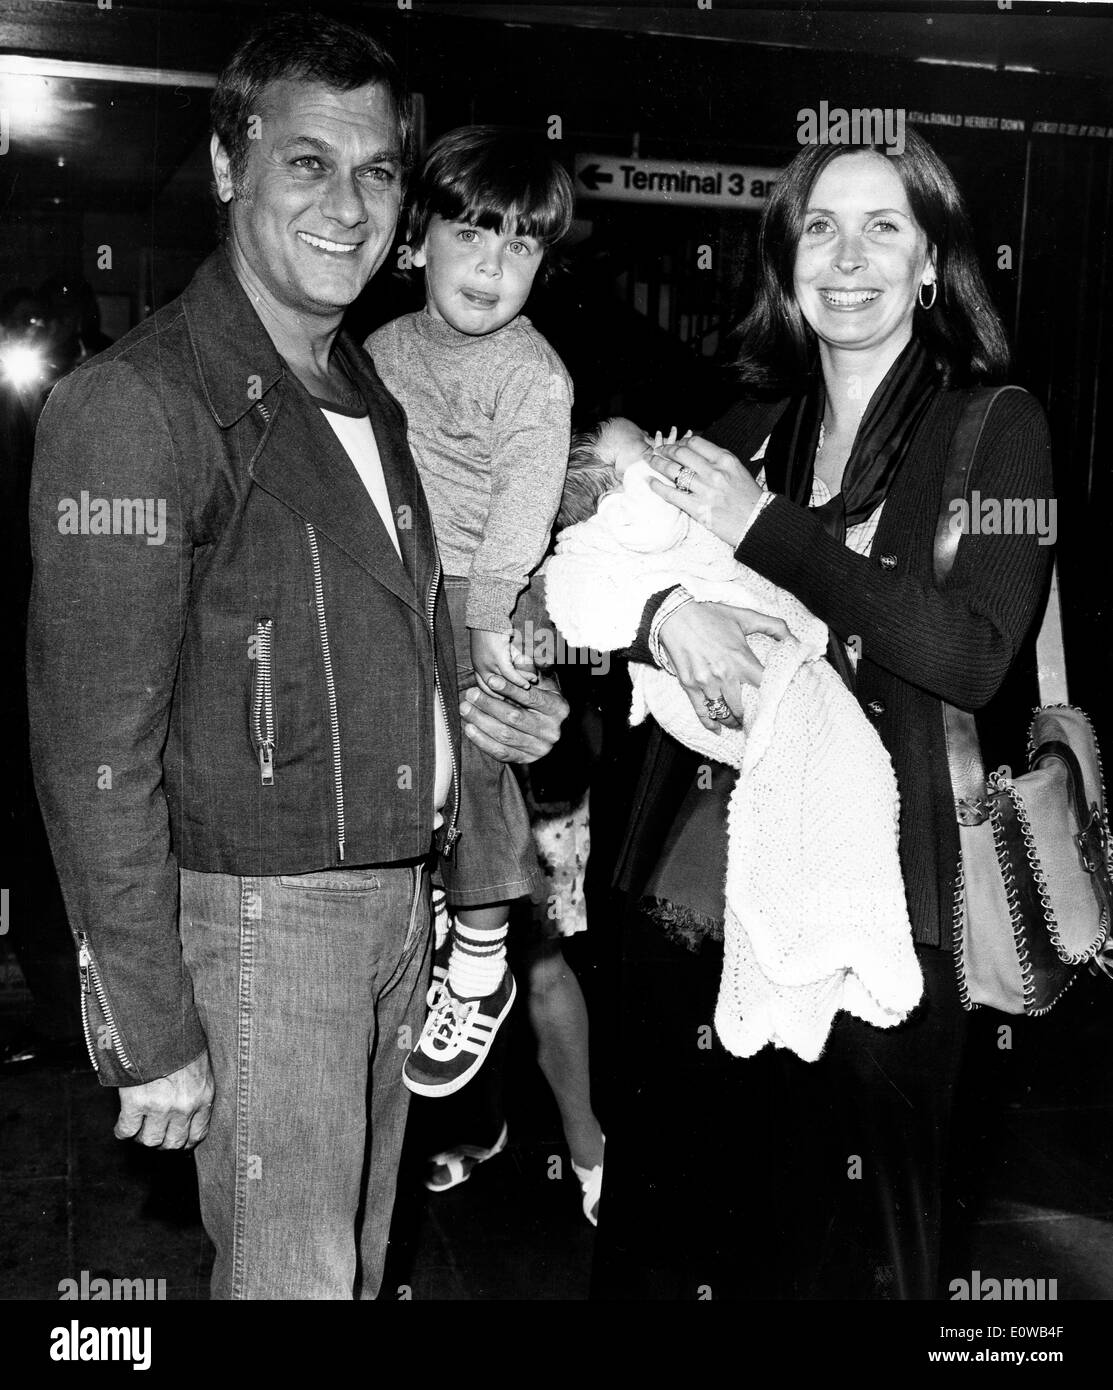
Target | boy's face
(476,280)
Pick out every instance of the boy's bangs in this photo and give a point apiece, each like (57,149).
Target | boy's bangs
(508,218)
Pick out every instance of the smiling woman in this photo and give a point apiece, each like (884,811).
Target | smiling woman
(826,478)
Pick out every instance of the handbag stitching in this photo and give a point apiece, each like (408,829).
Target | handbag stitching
(1050,920)
(1067,957)
(1019,923)
(958,920)
(1016,914)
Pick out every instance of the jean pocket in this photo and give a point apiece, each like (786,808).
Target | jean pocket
(333,881)
(418,928)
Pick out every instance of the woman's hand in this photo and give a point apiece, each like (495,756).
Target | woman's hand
(706,643)
(715,489)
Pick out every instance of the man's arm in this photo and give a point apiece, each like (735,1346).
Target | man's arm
(105,627)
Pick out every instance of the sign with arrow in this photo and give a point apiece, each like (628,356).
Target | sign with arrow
(673,181)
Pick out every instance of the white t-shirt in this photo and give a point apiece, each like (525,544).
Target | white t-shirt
(358,439)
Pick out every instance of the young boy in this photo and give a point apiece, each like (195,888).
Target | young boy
(489,404)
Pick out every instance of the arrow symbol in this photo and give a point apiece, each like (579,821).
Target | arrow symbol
(592,177)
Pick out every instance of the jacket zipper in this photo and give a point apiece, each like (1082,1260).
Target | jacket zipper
(451,834)
(330,685)
(262,704)
(90,977)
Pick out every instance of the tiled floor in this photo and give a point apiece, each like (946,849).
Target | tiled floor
(1040,1170)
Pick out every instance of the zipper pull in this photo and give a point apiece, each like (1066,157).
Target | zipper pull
(266,763)
(84,961)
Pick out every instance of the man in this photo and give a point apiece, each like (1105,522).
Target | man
(245,728)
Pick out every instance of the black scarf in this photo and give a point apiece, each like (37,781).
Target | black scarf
(895,410)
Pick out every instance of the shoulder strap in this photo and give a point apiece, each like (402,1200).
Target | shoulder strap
(956,480)
(964,753)
(1050,654)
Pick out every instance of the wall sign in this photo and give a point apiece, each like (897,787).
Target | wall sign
(673,181)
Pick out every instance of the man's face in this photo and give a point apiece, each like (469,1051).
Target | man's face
(321,192)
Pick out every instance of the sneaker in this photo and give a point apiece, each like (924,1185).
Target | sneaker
(455,1166)
(456,1038)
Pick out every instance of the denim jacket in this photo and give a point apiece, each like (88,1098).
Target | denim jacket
(230,669)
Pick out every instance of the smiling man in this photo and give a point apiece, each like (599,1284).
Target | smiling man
(245,739)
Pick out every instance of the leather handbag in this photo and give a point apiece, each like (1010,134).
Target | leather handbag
(1034,893)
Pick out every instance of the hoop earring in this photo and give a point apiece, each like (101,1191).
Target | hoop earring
(931,301)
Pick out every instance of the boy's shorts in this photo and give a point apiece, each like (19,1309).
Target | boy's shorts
(494,860)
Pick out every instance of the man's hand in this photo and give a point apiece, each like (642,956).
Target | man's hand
(706,643)
(515,726)
(172,1112)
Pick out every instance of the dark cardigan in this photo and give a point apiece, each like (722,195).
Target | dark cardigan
(918,646)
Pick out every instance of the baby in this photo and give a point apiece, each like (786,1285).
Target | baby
(608,475)
(815,917)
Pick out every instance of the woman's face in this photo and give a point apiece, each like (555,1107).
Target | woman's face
(862,256)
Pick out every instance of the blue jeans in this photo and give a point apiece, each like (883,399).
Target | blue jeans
(311,990)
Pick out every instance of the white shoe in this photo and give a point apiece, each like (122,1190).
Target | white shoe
(455,1166)
(591,1183)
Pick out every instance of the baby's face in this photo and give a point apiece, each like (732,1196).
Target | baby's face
(623,443)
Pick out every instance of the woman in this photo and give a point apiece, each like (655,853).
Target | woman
(771,1177)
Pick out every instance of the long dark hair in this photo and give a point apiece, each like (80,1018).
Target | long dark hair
(962,331)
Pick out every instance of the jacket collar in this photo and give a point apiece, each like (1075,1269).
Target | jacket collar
(299,459)
(230,344)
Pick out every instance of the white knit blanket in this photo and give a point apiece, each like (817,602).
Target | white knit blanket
(816,920)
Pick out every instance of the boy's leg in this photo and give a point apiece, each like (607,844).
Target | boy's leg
(477,960)
(467,1005)
(492,864)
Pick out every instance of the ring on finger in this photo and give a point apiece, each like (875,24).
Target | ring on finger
(718,709)
(683,480)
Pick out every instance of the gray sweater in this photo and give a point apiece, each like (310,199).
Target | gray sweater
(488,421)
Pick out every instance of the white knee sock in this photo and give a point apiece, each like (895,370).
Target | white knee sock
(477,961)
